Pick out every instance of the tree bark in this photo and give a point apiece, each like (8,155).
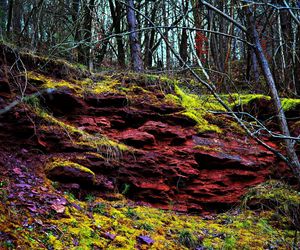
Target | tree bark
(3,16)
(166,23)
(290,149)
(77,35)
(150,39)
(17,18)
(135,48)
(9,18)
(183,47)
(89,9)
(116,13)
(297,63)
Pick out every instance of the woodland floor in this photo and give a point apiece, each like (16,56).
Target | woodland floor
(127,161)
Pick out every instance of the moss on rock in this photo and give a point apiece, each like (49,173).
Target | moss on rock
(64,163)
(195,109)
(67,171)
(276,196)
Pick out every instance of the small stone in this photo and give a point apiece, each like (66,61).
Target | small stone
(76,206)
(200,248)
(58,208)
(145,240)
(44,189)
(109,236)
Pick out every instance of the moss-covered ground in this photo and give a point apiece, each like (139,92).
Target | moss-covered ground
(94,223)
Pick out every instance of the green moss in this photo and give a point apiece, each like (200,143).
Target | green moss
(207,148)
(49,83)
(196,109)
(64,163)
(97,142)
(55,242)
(243,99)
(187,239)
(51,119)
(235,99)
(277,197)
(107,85)
(290,104)
(276,190)
(84,229)
(149,79)
(79,87)
(173,99)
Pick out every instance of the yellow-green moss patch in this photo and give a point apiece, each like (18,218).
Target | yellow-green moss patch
(84,138)
(195,108)
(50,83)
(65,163)
(290,104)
(169,230)
(83,227)
(79,87)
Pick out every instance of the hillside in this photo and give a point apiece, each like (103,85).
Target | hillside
(121,160)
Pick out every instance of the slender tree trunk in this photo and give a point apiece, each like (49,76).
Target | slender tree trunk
(9,18)
(151,39)
(297,62)
(116,13)
(255,68)
(77,36)
(287,38)
(17,18)
(3,16)
(89,9)
(290,149)
(135,48)
(105,44)
(183,47)
(166,23)
(229,42)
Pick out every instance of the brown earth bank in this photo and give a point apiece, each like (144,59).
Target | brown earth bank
(125,138)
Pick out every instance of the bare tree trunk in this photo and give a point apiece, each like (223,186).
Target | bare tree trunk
(229,42)
(136,55)
(105,44)
(290,149)
(297,63)
(150,39)
(77,36)
(116,13)
(183,47)
(89,9)
(17,18)
(286,29)
(166,23)
(255,68)
(9,17)
(3,16)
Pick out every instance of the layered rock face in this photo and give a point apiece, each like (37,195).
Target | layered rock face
(167,163)
(154,155)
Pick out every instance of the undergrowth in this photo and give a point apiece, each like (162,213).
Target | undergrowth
(86,224)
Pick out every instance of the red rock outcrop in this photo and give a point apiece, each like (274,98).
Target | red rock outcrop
(168,164)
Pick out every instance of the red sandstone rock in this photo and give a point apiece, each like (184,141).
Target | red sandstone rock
(170,167)
(70,174)
(136,138)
